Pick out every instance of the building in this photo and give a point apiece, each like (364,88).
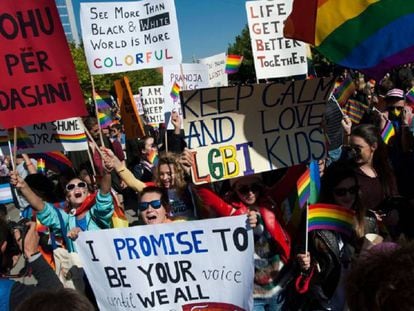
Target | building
(67,17)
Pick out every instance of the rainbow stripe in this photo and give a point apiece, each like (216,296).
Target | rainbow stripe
(304,189)
(70,138)
(364,23)
(410,95)
(355,110)
(104,120)
(175,91)
(344,91)
(103,101)
(330,217)
(387,132)
(233,63)
(153,157)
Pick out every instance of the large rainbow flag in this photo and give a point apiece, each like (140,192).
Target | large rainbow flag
(323,216)
(370,35)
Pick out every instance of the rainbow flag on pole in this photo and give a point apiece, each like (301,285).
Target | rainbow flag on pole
(344,91)
(387,132)
(103,101)
(323,216)
(233,63)
(347,32)
(304,190)
(410,95)
(23,139)
(175,91)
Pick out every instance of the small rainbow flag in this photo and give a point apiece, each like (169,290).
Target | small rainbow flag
(70,138)
(410,95)
(153,157)
(103,101)
(304,189)
(344,91)
(41,166)
(315,182)
(233,63)
(387,132)
(355,110)
(175,91)
(323,216)
(55,161)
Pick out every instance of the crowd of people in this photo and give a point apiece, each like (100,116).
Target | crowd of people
(361,172)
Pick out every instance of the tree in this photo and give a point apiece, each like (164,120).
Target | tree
(137,78)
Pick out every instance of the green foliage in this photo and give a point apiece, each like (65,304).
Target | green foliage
(137,79)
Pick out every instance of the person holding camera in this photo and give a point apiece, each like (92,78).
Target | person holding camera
(14,243)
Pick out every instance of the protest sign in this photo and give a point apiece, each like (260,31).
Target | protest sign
(39,81)
(243,130)
(60,135)
(129,113)
(137,98)
(176,266)
(187,77)
(152,100)
(215,66)
(274,56)
(125,36)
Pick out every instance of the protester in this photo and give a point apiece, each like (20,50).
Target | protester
(330,252)
(13,293)
(154,206)
(145,155)
(117,134)
(63,300)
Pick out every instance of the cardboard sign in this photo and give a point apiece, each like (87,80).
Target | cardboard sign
(60,135)
(244,130)
(274,56)
(38,78)
(152,100)
(125,36)
(177,266)
(216,65)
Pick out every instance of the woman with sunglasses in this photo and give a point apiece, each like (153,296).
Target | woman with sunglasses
(249,196)
(85,211)
(325,266)
(154,206)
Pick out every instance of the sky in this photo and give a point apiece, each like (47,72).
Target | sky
(206,27)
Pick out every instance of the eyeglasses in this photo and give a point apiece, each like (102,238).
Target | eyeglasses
(247,188)
(341,192)
(144,205)
(70,187)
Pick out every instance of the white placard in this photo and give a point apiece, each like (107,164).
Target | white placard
(216,65)
(274,56)
(152,100)
(125,36)
(192,265)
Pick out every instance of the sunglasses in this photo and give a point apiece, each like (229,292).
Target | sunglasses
(341,192)
(142,206)
(245,189)
(70,187)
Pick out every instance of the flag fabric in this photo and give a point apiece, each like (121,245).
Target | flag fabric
(153,157)
(233,63)
(315,182)
(103,102)
(23,139)
(387,132)
(362,34)
(70,138)
(344,91)
(55,161)
(304,190)
(355,110)
(410,95)
(175,91)
(323,216)
(6,195)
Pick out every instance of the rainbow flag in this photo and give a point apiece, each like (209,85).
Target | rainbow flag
(153,157)
(23,139)
(103,101)
(344,91)
(175,91)
(70,138)
(41,166)
(323,216)
(233,63)
(304,189)
(55,161)
(315,182)
(387,132)
(355,110)
(410,95)
(348,32)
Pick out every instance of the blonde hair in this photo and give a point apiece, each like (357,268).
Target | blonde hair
(170,158)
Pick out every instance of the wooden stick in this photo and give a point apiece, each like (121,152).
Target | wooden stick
(91,139)
(11,156)
(15,145)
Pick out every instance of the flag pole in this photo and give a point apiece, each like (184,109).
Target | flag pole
(307,227)
(14,157)
(96,111)
(11,155)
